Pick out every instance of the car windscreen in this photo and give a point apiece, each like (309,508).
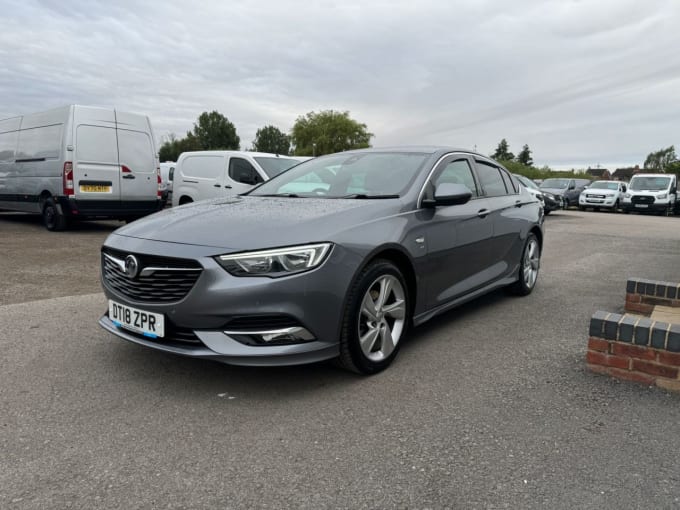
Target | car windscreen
(274,166)
(555,183)
(604,185)
(649,183)
(371,174)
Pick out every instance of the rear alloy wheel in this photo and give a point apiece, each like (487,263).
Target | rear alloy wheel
(528,269)
(376,319)
(54,220)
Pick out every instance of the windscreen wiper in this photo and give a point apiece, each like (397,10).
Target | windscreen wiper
(287,195)
(364,196)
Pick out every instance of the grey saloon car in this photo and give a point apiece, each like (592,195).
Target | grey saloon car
(335,258)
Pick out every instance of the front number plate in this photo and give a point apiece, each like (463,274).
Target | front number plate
(146,323)
(641,205)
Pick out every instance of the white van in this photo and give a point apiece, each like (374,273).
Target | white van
(651,193)
(79,162)
(167,170)
(211,174)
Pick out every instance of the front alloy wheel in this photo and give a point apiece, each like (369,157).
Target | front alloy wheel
(376,319)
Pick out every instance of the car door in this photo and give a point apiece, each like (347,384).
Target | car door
(456,237)
(505,204)
(241,176)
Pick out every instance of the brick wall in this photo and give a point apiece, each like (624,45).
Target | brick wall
(635,348)
(643,295)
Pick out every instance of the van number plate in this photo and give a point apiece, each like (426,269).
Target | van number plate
(641,205)
(146,323)
(91,188)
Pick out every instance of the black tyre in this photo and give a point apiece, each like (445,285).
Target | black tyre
(615,209)
(669,210)
(547,211)
(54,220)
(581,208)
(376,319)
(528,267)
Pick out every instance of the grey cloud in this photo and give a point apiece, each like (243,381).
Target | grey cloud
(578,81)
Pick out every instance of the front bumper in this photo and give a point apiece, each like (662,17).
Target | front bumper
(600,203)
(656,207)
(314,299)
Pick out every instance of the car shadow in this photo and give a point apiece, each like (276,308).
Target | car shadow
(17,218)
(196,378)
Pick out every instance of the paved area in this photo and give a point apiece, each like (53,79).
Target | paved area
(488,406)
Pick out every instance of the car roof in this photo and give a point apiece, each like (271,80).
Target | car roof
(422,149)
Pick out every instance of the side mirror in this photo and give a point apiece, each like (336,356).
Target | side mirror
(448,193)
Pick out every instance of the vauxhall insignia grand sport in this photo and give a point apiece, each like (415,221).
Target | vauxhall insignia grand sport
(333,259)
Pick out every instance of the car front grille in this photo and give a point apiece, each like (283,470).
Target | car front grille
(596,196)
(160,279)
(644,199)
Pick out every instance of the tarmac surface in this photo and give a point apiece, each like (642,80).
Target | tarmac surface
(488,406)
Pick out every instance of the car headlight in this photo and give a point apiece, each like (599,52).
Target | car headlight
(276,262)
(662,196)
(549,195)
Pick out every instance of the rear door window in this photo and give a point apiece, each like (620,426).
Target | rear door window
(96,144)
(491,180)
(135,151)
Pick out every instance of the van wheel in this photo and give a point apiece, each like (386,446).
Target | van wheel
(53,219)
(185,200)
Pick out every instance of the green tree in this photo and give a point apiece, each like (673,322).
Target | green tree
(327,132)
(502,152)
(271,139)
(661,160)
(173,146)
(524,156)
(214,132)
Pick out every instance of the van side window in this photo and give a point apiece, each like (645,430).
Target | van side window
(39,142)
(242,171)
(96,144)
(203,167)
(8,144)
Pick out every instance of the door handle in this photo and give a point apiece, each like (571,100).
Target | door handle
(227,186)
(216,185)
(483,213)
(128,176)
(518,203)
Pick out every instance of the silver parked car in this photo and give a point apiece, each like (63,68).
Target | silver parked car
(334,258)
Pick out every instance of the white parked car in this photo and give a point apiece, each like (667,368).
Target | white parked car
(602,195)
(212,174)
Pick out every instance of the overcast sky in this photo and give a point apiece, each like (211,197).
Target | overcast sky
(581,82)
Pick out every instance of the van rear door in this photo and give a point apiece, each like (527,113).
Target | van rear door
(138,179)
(96,172)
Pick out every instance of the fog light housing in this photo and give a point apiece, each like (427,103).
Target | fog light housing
(283,336)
